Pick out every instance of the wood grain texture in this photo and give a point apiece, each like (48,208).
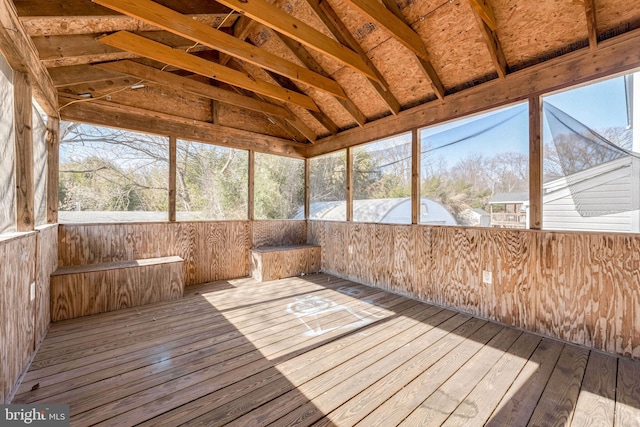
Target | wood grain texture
(47,263)
(83,290)
(22,116)
(582,288)
(278,233)
(276,263)
(17,311)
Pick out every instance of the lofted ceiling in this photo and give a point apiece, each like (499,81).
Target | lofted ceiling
(300,70)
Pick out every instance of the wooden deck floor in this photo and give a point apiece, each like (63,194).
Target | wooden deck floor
(320,351)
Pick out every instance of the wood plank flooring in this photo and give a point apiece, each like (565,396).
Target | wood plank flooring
(322,351)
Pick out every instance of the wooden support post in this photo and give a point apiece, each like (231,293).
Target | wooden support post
(250,204)
(53,169)
(23,151)
(415,177)
(349,184)
(307,186)
(535,163)
(173,152)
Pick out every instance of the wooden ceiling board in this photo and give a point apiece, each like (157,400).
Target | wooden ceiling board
(252,121)
(454,41)
(265,38)
(362,93)
(88,8)
(407,82)
(614,16)
(538,29)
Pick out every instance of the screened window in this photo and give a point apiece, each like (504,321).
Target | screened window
(7,159)
(211,182)
(111,175)
(39,166)
(328,187)
(592,157)
(278,187)
(475,171)
(382,181)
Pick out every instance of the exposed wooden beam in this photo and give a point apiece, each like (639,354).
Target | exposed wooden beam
(392,24)
(173,153)
(104,113)
(535,163)
(310,62)
(65,17)
(336,27)
(251,187)
(79,74)
(318,115)
(292,124)
(613,56)
(349,189)
(21,54)
(415,176)
(59,51)
(307,188)
(592,23)
(275,18)
(490,36)
(483,9)
(197,88)
(159,52)
(23,134)
(241,30)
(70,25)
(181,25)
(423,61)
(53,176)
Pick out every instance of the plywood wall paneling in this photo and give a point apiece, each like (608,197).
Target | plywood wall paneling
(403,274)
(507,255)
(18,311)
(278,233)
(47,262)
(579,287)
(383,252)
(360,252)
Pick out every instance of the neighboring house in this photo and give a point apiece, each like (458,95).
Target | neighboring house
(601,198)
(396,210)
(509,210)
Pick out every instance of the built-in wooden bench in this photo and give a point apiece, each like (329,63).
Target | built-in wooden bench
(80,290)
(276,262)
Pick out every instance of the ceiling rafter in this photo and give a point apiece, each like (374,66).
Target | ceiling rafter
(392,9)
(165,78)
(483,12)
(299,128)
(309,61)
(59,51)
(241,30)
(50,18)
(278,20)
(165,54)
(336,27)
(181,25)
(592,27)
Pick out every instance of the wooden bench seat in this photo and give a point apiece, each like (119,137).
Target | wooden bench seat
(277,262)
(80,290)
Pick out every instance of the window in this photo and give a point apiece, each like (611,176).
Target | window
(211,182)
(328,187)
(7,158)
(591,157)
(278,187)
(475,171)
(111,175)
(39,166)
(382,181)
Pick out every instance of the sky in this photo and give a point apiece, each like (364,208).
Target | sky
(599,105)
